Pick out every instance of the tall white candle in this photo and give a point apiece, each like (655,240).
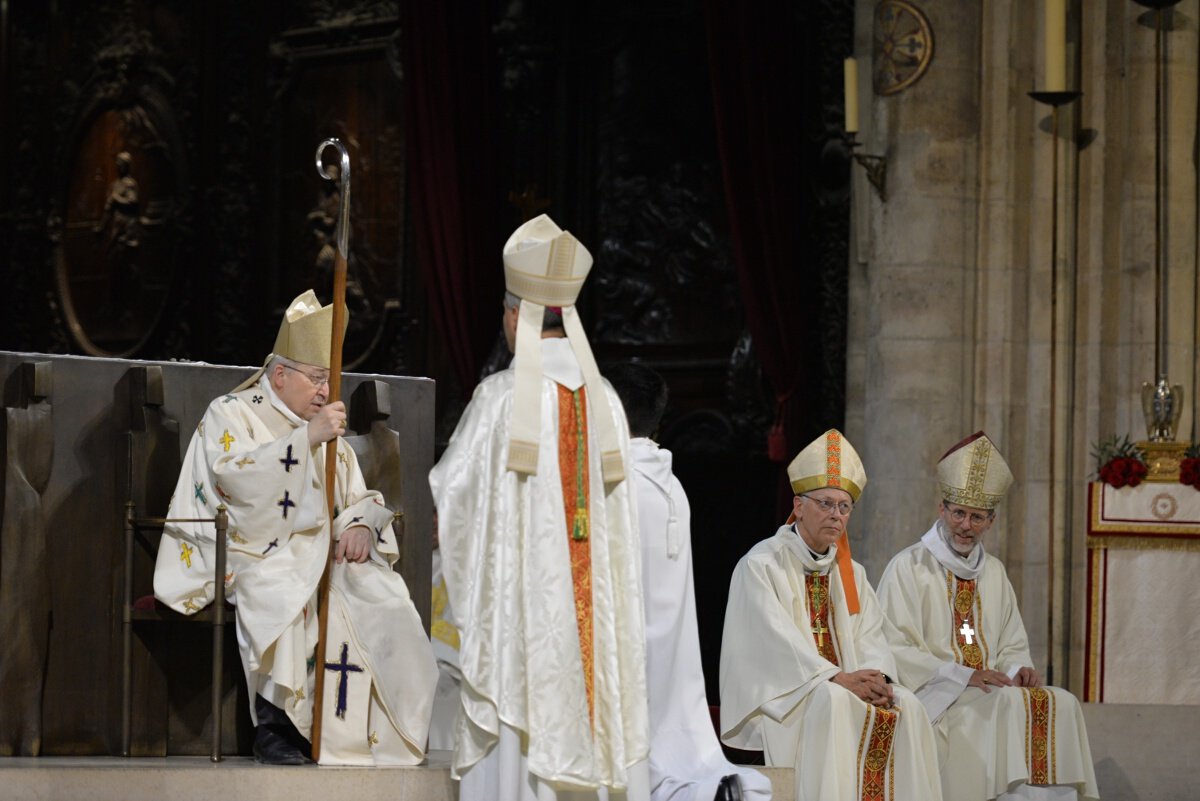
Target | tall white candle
(850,73)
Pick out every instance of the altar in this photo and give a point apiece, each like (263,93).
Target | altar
(1142,641)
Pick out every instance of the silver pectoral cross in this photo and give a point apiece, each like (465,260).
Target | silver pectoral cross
(967,632)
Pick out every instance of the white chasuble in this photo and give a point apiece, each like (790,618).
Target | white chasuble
(775,689)
(251,454)
(686,761)
(941,627)
(527,727)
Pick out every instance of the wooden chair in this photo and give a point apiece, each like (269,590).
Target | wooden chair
(151,463)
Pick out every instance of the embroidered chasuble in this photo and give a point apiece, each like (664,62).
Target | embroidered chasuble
(251,454)
(787,632)
(542,571)
(943,626)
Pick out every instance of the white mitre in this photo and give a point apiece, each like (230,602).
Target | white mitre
(973,473)
(305,335)
(546,266)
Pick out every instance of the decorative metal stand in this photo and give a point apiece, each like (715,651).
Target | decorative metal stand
(876,166)
(1055,100)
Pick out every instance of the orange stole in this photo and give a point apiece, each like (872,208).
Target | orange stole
(876,754)
(1039,730)
(573,469)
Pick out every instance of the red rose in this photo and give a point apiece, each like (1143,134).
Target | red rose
(1189,472)
(1137,471)
(1118,473)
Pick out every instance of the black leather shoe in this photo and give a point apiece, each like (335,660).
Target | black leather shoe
(276,740)
(730,788)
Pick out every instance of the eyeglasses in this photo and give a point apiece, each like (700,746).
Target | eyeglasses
(316,379)
(977,518)
(826,506)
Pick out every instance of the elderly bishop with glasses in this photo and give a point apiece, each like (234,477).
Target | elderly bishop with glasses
(960,644)
(260,451)
(806,673)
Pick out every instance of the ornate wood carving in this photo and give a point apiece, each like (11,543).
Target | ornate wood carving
(116,224)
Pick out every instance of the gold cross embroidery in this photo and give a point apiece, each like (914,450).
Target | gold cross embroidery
(342,458)
(373,739)
(238,538)
(191,606)
(245,460)
(185,553)
(227,440)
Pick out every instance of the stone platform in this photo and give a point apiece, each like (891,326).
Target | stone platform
(236,779)
(1141,752)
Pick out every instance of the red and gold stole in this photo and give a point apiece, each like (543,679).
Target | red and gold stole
(818,615)
(968,636)
(1039,735)
(876,754)
(573,468)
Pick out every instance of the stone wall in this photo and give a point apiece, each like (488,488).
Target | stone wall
(950,287)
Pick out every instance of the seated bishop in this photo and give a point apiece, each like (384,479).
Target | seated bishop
(260,452)
(960,644)
(806,673)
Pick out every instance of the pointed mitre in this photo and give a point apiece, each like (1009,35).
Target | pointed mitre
(828,461)
(305,335)
(546,266)
(973,473)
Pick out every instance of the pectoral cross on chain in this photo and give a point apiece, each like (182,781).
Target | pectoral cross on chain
(967,632)
(820,631)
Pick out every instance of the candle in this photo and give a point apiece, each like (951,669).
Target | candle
(1056,46)
(850,73)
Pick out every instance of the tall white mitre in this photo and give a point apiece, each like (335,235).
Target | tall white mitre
(546,266)
(973,473)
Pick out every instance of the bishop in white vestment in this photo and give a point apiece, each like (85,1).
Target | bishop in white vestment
(806,674)
(259,451)
(539,548)
(686,761)
(960,644)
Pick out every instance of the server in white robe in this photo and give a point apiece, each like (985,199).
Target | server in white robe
(259,451)
(686,761)
(806,674)
(538,538)
(960,644)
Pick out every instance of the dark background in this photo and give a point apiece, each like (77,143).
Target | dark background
(693,147)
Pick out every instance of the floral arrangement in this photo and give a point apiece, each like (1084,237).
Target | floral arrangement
(1121,463)
(1189,467)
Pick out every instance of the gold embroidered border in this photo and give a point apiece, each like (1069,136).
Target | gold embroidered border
(1095,625)
(878,756)
(1037,731)
(1100,542)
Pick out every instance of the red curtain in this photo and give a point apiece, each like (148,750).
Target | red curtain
(445,53)
(765,102)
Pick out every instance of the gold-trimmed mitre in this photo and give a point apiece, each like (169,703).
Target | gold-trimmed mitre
(973,473)
(546,266)
(828,461)
(306,331)
(305,335)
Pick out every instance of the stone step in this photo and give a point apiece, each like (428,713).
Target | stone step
(236,778)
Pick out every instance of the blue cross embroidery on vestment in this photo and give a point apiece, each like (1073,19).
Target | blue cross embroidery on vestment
(200,493)
(288,461)
(257,399)
(355,520)
(227,399)
(379,535)
(344,667)
(273,544)
(285,503)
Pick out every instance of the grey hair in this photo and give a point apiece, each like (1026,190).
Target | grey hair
(551,320)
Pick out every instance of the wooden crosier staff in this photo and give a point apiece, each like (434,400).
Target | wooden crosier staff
(335,390)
